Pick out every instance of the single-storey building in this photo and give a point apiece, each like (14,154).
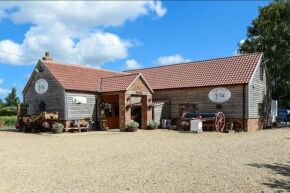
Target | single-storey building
(236,86)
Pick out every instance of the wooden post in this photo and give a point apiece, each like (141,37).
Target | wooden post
(124,111)
(18,110)
(146,110)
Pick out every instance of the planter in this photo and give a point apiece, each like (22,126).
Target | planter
(152,125)
(151,128)
(57,130)
(132,129)
(128,106)
(150,106)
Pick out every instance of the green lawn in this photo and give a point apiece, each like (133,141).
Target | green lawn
(8,121)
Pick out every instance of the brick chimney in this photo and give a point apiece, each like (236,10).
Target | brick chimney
(47,57)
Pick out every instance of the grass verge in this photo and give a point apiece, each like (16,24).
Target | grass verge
(8,121)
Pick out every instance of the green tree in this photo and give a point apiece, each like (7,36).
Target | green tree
(270,34)
(1,103)
(12,99)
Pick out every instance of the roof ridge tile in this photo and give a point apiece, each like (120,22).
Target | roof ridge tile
(197,61)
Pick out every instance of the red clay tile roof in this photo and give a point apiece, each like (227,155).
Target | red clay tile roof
(117,83)
(73,77)
(120,83)
(220,71)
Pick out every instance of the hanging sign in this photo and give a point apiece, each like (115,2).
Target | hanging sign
(41,86)
(79,100)
(219,95)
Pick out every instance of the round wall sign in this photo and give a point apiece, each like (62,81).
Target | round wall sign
(219,95)
(41,86)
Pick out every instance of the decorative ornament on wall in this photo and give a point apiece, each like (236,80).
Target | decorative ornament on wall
(41,86)
(139,87)
(219,95)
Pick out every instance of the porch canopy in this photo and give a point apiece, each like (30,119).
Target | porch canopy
(121,90)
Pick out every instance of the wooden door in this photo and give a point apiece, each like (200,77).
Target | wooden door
(112,115)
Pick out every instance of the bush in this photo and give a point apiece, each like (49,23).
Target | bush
(7,112)
(132,124)
(8,121)
(57,128)
(153,124)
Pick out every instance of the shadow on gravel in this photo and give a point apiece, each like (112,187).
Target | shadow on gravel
(279,169)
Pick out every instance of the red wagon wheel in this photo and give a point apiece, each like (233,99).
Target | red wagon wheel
(220,122)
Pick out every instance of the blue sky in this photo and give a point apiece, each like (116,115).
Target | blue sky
(117,36)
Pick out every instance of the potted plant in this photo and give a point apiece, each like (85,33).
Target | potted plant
(128,106)
(150,106)
(153,124)
(57,128)
(132,126)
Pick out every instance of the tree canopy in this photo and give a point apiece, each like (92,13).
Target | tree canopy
(12,99)
(270,34)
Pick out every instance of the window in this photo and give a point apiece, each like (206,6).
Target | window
(261,73)
(187,108)
(108,110)
(219,106)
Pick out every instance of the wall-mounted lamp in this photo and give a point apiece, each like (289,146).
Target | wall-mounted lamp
(102,105)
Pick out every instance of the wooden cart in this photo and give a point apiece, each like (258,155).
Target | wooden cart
(210,121)
(40,122)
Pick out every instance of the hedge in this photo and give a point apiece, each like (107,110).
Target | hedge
(7,112)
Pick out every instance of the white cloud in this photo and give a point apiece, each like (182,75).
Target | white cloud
(132,64)
(70,30)
(27,76)
(3,91)
(2,14)
(173,59)
(157,7)
(241,42)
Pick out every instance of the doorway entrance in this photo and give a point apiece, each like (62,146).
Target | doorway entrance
(111,110)
(136,114)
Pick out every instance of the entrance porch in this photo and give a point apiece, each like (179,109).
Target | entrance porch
(116,106)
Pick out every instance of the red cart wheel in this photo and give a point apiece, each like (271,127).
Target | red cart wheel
(220,122)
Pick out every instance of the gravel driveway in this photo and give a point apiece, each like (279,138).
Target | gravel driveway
(145,161)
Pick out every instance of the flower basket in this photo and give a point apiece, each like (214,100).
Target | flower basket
(128,106)
(153,125)
(133,129)
(57,128)
(150,106)
(132,126)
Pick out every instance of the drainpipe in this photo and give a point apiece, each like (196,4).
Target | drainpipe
(244,105)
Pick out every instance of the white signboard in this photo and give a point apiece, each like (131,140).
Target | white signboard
(219,95)
(79,100)
(41,86)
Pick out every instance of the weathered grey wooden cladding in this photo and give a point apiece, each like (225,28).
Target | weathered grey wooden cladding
(257,91)
(161,110)
(80,111)
(53,98)
(233,108)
